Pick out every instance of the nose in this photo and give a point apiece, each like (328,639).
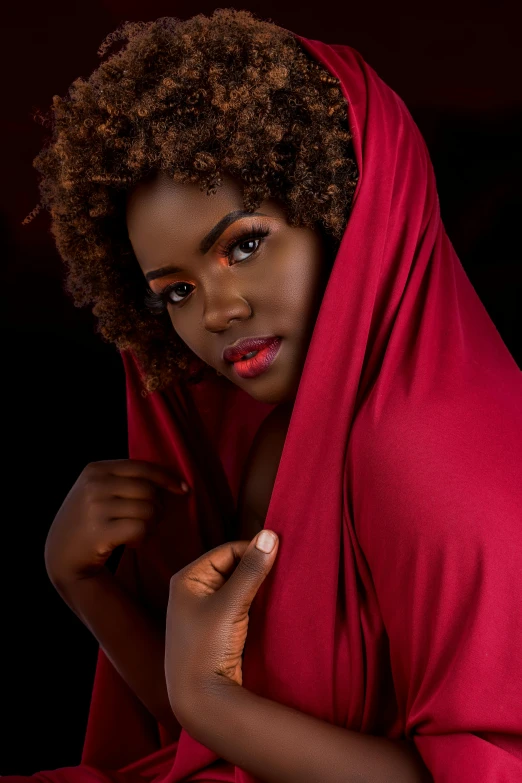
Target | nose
(223,307)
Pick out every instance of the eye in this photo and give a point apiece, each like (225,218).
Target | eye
(158,302)
(228,251)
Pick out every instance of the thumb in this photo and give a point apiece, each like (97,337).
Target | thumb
(266,542)
(251,571)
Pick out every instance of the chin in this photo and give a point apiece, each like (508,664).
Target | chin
(271,397)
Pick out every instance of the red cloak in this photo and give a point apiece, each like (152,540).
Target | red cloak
(395,604)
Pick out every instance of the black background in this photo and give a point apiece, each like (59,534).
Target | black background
(457,67)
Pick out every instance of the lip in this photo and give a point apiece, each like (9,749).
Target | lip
(238,349)
(251,368)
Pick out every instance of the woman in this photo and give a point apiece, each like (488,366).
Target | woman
(377,432)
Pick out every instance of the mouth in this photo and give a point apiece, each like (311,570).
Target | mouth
(248,348)
(259,363)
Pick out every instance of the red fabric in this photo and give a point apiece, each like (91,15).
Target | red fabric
(394,605)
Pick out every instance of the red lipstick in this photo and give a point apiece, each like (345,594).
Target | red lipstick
(248,344)
(250,368)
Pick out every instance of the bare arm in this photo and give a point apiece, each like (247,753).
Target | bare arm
(113,503)
(278,744)
(130,639)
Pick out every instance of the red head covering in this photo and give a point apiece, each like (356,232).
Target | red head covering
(394,605)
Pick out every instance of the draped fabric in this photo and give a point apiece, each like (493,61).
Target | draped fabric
(394,605)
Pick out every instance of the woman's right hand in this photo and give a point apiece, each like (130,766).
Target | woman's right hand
(112,502)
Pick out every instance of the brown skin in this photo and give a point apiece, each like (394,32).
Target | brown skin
(275,291)
(113,502)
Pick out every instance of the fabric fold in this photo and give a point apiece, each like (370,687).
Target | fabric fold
(393,607)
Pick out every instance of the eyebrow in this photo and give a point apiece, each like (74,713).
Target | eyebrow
(207,241)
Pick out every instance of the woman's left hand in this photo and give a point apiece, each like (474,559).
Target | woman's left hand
(207,619)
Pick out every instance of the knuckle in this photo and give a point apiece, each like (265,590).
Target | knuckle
(89,491)
(173,585)
(89,476)
(91,487)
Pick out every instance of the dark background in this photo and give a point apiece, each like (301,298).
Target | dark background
(456,65)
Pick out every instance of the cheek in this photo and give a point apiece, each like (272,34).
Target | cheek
(184,331)
(302,289)
(300,276)
(189,332)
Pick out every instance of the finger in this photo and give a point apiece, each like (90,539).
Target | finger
(251,572)
(209,572)
(131,487)
(146,470)
(130,532)
(224,558)
(130,508)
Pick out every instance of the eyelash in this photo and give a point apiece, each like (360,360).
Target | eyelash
(157,302)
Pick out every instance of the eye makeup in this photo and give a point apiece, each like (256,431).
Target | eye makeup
(158,302)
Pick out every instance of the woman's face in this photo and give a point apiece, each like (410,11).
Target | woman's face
(271,285)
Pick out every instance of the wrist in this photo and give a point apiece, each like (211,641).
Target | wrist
(70,586)
(203,702)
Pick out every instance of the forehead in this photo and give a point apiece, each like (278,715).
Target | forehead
(161,198)
(161,212)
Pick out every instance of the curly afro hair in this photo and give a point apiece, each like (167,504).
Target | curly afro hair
(196,99)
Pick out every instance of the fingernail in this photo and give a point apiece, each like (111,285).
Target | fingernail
(265,541)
